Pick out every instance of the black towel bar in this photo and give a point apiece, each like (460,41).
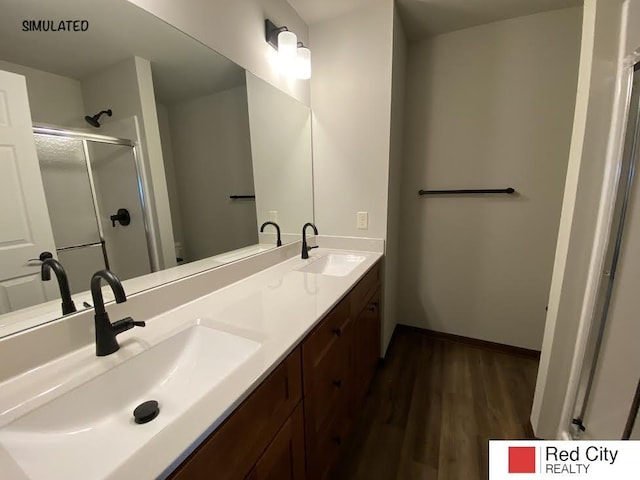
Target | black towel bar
(508,191)
(235,197)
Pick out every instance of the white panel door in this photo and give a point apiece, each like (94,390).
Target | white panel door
(25,230)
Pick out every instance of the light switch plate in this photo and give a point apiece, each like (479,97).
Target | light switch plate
(273,216)
(362,220)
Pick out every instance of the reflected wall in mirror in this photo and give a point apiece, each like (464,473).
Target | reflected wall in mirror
(189,157)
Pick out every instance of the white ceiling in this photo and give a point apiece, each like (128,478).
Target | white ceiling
(422,18)
(314,11)
(182,67)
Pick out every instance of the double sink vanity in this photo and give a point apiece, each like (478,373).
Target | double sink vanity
(254,358)
(258,379)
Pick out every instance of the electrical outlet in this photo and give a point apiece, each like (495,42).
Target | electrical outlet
(362,220)
(273,216)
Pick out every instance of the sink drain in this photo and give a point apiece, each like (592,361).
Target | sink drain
(146,411)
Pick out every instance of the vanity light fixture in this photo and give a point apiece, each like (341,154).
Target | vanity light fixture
(293,56)
(303,62)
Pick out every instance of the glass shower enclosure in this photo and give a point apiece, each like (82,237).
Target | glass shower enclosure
(598,412)
(89,181)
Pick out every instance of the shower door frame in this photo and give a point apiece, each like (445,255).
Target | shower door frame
(86,137)
(625,180)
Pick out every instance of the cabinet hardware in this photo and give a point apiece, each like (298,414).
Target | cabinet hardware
(337,440)
(337,383)
(337,331)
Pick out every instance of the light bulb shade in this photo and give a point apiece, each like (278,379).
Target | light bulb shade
(287,49)
(303,64)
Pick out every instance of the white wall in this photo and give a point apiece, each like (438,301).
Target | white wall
(53,99)
(487,107)
(355,166)
(212,160)
(236,30)
(281,150)
(127,89)
(631,34)
(351,103)
(169,172)
(394,242)
(579,229)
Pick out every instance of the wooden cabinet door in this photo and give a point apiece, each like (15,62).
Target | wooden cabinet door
(327,370)
(327,359)
(232,450)
(367,348)
(284,457)
(326,449)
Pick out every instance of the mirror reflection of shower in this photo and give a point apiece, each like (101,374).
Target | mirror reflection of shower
(94,120)
(87,180)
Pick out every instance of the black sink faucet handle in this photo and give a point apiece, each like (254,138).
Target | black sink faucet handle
(106,332)
(305,247)
(48,264)
(279,239)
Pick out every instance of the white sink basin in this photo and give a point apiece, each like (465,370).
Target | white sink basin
(334,264)
(61,439)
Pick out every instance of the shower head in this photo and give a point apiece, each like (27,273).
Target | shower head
(93,121)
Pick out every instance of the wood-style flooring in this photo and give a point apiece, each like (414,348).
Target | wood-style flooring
(432,408)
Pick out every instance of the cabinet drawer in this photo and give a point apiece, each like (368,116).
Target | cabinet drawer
(324,454)
(284,457)
(329,384)
(233,449)
(329,333)
(365,288)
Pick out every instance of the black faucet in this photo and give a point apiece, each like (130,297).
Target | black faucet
(279,242)
(49,264)
(106,332)
(305,248)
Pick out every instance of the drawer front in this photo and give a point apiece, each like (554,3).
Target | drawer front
(327,334)
(284,457)
(323,456)
(364,289)
(233,449)
(329,384)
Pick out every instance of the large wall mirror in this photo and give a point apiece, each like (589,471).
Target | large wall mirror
(136,148)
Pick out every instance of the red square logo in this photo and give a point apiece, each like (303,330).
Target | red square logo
(522,459)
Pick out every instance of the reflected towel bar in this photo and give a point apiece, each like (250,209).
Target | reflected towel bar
(235,197)
(508,191)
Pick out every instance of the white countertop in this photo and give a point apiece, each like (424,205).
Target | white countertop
(276,307)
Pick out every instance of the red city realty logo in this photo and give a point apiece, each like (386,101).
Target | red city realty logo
(522,459)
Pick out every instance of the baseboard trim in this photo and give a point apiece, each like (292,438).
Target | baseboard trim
(392,341)
(448,337)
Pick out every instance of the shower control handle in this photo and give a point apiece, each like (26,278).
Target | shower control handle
(122,217)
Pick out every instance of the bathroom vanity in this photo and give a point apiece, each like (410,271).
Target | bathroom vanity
(259,379)
(320,385)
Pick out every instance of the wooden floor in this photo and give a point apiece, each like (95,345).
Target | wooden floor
(433,406)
